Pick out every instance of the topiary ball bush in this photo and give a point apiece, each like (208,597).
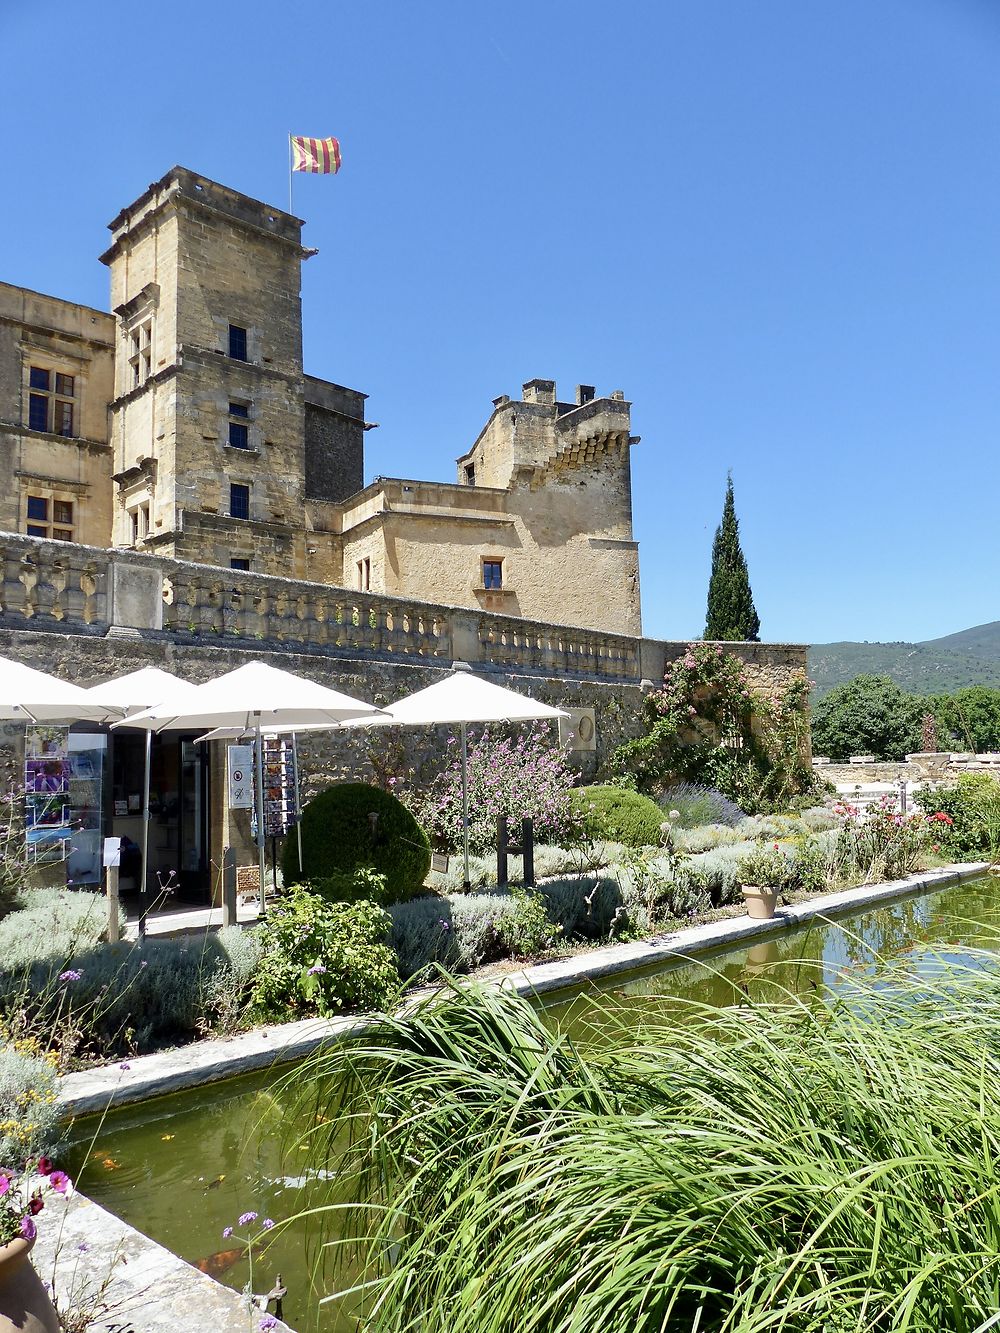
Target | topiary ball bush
(620,816)
(339,837)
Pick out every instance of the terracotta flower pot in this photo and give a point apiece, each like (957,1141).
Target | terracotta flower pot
(761,902)
(24,1303)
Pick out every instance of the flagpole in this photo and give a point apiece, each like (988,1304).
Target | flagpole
(290,209)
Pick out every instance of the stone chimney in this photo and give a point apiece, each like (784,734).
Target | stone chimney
(539,391)
(584,394)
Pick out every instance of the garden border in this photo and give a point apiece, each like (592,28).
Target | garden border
(214,1059)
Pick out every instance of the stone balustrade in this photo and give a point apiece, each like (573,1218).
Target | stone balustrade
(61,586)
(51,585)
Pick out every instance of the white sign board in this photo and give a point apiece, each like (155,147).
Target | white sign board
(579,730)
(240,759)
(112,851)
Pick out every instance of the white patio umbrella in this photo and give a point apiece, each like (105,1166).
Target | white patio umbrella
(27,695)
(255,697)
(134,693)
(459,699)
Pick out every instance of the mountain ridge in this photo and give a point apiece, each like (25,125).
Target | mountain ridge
(931,666)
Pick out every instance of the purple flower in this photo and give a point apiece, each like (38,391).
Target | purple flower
(28,1229)
(315,970)
(246,1218)
(83,1248)
(59,1181)
(226,1232)
(443,924)
(267,1323)
(267,1224)
(71,974)
(124,1065)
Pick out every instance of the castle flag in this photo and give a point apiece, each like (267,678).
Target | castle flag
(318,155)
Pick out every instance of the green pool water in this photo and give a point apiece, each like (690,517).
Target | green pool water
(182,1168)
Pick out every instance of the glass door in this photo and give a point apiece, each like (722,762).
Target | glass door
(193,870)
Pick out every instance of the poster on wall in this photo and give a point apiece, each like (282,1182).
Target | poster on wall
(47,826)
(63,782)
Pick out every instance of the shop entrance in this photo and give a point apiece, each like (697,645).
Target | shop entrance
(178,809)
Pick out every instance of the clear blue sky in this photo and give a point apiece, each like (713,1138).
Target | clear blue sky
(774,223)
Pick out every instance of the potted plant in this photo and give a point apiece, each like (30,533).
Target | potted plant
(763,874)
(24,1302)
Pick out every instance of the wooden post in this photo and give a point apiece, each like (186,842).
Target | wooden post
(228,887)
(114,919)
(502,846)
(528,852)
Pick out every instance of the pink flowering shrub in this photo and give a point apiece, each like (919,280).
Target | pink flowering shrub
(512,775)
(879,843)
(708,725)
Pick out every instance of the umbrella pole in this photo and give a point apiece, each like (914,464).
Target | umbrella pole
(145,821)
(259,757)
(466,882)
(298,798)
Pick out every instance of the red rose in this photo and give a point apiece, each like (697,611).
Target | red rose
(44,1166)
(35,1205)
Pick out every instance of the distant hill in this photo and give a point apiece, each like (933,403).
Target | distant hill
(980,641)
(936,666)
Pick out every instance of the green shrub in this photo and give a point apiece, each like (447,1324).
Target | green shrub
(972,803)
(527,930)
(322,957)
(622,816)
(340,835)
(364,884)
(29,1112)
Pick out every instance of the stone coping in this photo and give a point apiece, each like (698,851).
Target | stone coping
(148,1288)
(95,1090)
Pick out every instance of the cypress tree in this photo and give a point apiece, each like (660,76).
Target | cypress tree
(731,612)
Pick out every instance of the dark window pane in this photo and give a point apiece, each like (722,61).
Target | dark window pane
(39,378)
(38,507)
(492,574)
(239,501)
(62,534)
(38,412)
(64,418)
(62,511)
(34,531)
(237,342)
(239,562)
(239,435)
(239,409)
(64,384)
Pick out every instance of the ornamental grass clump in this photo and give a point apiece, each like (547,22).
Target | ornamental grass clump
(820,1166)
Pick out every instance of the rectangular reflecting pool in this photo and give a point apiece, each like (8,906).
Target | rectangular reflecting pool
(183,1168)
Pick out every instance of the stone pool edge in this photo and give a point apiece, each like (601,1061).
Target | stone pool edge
(95,1090)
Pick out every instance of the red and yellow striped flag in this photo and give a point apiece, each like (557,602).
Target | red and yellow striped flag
(319,155)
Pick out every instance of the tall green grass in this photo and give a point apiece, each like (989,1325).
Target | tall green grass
(812,1167)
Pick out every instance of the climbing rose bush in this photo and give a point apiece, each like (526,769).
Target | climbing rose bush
(514,776)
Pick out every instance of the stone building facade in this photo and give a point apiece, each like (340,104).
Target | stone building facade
(182,425)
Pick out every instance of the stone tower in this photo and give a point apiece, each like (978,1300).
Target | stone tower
(209,416)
